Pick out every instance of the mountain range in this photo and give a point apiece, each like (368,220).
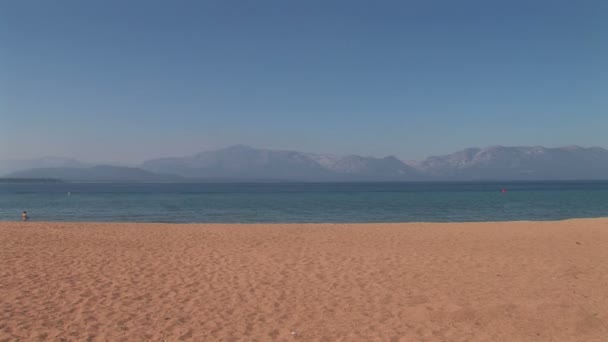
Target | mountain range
(519,163)
(245,163)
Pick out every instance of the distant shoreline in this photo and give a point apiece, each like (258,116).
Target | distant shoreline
(310,224)
(287,182)
(30,180)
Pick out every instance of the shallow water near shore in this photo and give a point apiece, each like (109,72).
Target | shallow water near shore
(304,202)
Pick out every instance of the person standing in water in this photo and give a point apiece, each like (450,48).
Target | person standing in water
(24,216)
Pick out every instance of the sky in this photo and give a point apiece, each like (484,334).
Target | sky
(125,81)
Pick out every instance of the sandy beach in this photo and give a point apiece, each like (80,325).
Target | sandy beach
(511,281)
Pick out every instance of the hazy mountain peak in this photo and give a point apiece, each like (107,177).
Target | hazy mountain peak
(239,147)
(392,158)
(572,148)
(519,162)
(246,162)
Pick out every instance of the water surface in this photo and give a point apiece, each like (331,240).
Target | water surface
(304,202)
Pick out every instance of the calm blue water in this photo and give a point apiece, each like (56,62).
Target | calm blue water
(303,202)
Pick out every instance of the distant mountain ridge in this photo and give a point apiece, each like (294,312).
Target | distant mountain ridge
(245,163)
(519,163)
(241,162)
(13,165)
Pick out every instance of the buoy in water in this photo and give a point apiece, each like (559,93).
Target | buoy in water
(503,190)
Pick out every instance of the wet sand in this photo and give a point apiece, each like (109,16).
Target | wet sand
(509,281)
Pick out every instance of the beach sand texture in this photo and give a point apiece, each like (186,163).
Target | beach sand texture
(510,281)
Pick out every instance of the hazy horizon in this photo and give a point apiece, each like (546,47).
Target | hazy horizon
(116,82)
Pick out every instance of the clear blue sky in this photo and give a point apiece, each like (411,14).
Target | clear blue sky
(129,80)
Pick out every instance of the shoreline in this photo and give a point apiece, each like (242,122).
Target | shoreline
(502,281)
(32,221)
